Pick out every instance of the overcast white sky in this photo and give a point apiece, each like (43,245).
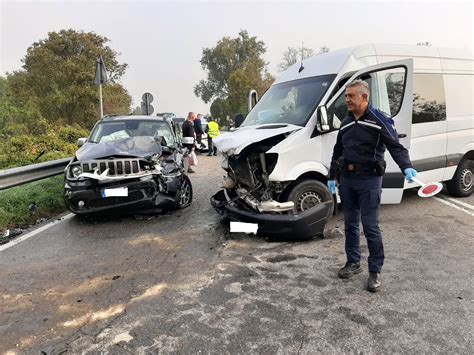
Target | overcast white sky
(162,41)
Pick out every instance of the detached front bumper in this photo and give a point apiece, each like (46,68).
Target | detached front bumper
(303,226)
(142,195)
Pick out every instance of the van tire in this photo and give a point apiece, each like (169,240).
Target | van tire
(462,184)
(306,193)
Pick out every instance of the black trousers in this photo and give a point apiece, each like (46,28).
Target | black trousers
(211,146)
(360,197)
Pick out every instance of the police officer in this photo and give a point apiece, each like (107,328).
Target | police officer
(359,154)
(198,130)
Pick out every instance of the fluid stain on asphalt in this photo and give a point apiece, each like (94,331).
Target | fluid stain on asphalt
(281,258)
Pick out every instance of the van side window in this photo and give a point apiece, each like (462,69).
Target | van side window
(387,87)
(429,102)
(395,89)
(338,110)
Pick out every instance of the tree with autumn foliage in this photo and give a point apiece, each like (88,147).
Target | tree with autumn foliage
(57,78)
(234,67)
(52,100)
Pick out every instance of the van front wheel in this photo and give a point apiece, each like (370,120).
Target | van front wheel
(461,185)
(307,194)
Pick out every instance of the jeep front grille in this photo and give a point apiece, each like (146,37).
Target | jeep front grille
(117,167)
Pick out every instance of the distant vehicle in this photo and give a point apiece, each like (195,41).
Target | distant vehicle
(278,159)
(128,163)
(203,148)
(166,114)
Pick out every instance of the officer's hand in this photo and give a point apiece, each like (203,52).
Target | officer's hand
(332,186)
(410,173)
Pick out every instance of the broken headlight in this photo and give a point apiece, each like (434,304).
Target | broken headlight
(76,170)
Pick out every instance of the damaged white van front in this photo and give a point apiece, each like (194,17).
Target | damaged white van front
(257,188)
(277,161)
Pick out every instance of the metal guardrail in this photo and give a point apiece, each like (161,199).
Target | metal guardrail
(24,174)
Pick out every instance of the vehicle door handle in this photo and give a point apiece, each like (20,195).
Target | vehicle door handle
(402,135)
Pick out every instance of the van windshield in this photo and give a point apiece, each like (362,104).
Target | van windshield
(290,102)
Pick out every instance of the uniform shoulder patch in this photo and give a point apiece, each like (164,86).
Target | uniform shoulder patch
(386,120)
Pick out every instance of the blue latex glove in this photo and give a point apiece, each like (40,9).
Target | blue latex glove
(410,173)
(332,186)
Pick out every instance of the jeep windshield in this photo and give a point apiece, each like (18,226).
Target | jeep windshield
(108,131)
(291,102)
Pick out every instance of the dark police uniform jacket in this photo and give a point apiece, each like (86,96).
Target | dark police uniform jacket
(363,141)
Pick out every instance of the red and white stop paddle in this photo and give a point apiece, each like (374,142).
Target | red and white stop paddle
(429,189)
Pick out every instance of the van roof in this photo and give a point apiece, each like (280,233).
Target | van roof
(357,57)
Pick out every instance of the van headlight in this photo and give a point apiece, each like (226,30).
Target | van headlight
(76,171)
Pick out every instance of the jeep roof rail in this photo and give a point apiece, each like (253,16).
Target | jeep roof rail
(110,116)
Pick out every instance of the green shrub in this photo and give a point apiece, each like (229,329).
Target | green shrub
(48,142)
(27,203)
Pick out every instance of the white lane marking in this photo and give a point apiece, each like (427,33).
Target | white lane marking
(33,233)
(453,200)
(453,205)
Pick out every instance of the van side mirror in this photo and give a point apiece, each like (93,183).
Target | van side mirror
(253,98)
(322,119)
(81,142)
(238,119)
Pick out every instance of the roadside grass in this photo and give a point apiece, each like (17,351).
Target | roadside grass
(25,204)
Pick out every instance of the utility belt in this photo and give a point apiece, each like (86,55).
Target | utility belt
(376,168)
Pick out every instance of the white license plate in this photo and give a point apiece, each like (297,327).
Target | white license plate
(242,227)
(117,192)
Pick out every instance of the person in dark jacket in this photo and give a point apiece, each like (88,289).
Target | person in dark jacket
(359,156)
(188,134)
(198,129)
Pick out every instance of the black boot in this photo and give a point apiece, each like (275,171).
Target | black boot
(373,282)
(348,270)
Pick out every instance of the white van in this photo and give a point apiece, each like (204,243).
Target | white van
(278,160)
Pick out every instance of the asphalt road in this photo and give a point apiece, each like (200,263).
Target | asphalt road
(181,283)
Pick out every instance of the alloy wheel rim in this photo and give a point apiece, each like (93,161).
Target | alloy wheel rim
(185,193)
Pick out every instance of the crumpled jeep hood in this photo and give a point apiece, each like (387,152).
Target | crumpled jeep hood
(141,146)
(232,143)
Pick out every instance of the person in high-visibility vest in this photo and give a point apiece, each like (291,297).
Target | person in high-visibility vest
(212,131)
